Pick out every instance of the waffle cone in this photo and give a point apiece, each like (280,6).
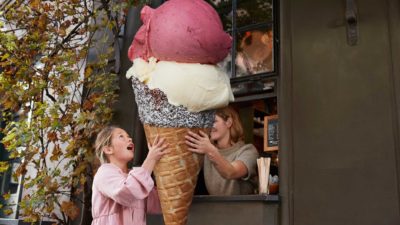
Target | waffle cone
(176,173)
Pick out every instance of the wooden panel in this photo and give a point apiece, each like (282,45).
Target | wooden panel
(394,29)
(341,167)
(228,212)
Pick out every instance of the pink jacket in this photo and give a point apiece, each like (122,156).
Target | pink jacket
(123,199)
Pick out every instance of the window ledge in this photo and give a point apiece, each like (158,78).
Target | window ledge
(236,198)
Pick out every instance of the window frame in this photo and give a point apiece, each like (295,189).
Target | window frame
(258,77)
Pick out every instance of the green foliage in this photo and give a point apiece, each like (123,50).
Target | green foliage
(61,97)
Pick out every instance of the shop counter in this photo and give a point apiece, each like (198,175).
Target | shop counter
(230,210)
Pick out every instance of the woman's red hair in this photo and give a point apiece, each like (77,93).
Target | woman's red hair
(236,130)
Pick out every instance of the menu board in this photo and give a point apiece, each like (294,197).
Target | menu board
(271,133)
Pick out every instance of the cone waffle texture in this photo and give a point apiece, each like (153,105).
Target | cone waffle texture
(176,173)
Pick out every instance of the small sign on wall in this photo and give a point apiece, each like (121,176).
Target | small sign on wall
(271,133)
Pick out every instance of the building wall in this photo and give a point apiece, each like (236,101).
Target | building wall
(339,111)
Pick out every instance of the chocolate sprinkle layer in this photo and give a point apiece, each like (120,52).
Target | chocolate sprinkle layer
(154,109)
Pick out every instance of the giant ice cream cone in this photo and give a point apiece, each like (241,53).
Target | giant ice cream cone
(177,88)
(176,173)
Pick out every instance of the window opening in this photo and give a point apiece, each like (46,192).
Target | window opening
(253,67)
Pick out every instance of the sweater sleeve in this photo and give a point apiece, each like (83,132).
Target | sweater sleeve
(111,182)
(153,203)
(248,155)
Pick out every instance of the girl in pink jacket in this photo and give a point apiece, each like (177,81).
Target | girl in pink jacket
(122,196)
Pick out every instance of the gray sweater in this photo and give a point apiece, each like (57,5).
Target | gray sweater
(217,185)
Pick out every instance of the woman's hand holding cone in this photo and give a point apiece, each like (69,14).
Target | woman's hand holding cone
(199,143)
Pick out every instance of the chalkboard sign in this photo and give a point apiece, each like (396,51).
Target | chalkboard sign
(271,133)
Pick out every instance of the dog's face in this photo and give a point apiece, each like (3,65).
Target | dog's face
(255,52)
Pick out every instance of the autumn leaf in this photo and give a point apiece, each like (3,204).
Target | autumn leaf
(8,211)
(52,136)
(7,196)
(35,4)
(88,71)
(14,155)
(4,167)
(53,186)
(56,153)
(88,105)
(42,22)
(82,180)
(5,56)
(21,170)
(44,154)
(47,7)
(70,209)
(32,218)
(62,32)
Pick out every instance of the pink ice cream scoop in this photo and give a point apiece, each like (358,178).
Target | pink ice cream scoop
(188,31)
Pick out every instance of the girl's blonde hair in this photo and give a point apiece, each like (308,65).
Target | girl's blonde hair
(236,130)
(103,140)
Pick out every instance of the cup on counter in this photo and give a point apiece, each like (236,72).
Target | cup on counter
(273,185)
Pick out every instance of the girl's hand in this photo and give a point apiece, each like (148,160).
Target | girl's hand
(157,149)
(199,143)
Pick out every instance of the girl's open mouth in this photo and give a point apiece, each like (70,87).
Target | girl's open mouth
(130,147)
